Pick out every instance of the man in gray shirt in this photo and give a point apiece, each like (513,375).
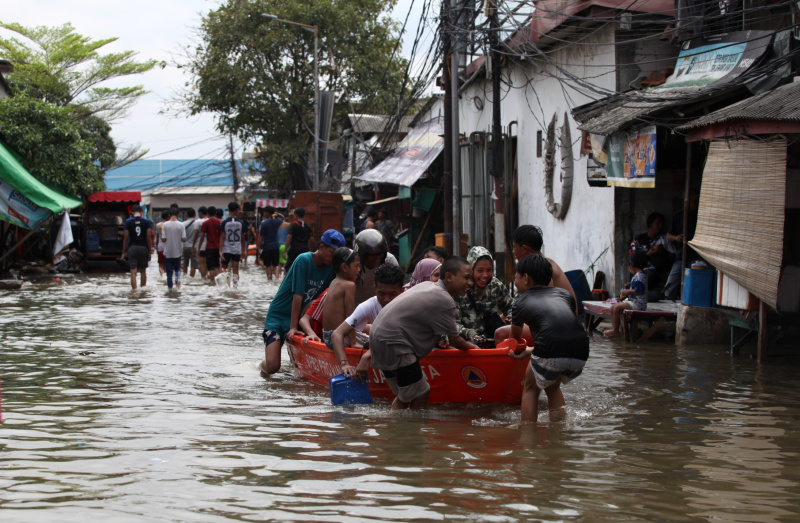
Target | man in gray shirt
(173,235)
(412,325)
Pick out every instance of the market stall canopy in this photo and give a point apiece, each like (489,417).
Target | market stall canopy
(24,200)
(115,196)
(412,158)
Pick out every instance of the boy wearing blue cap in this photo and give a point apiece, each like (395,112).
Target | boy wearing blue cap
(309,275)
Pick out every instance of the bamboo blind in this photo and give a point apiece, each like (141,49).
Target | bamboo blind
(741,215)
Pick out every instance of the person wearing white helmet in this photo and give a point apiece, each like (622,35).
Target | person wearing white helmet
(373,250)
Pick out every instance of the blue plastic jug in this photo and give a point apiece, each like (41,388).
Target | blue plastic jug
(348,391)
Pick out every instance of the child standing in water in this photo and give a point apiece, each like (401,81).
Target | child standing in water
(634,298)
(561,346)
(340,300)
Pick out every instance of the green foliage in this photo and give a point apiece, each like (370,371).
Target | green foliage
(61,149)
(257,74)
(59,66)
(58,116)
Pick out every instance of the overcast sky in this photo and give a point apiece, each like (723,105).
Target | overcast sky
(156,29)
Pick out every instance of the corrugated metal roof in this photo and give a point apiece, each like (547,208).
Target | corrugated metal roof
(780,104)
(376,123)
(615,113)
(188,190)
(149,174)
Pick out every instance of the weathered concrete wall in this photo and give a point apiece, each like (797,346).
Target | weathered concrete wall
(702,325)
(537,93)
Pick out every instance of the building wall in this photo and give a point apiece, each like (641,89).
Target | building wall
(163,201)
(587,230)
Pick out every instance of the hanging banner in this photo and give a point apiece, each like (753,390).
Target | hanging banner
(412,157)
(16,209)
(716,60)
(632,159)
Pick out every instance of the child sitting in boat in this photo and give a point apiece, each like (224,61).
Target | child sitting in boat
(312,323)
(388,286)
(634,298)
(561,346)
(340,300)
(487,304)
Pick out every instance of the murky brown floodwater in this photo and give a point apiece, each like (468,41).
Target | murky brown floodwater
(148,406)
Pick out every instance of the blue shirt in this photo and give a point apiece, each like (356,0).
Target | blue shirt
(137,228)
(304,278)
(269,234)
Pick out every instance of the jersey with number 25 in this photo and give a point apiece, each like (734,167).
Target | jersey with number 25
(232,229)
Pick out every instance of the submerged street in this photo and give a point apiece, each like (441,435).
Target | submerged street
(148,406)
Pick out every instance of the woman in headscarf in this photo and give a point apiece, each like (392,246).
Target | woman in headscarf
(487,305)
(426,270)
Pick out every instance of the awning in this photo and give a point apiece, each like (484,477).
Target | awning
(412,158)
(741,216)
(772,112)
(24,200)
(278,203)
(115,196)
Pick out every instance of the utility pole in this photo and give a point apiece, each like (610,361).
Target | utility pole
(496,158)
(456,44)
(447,175)
(234,173)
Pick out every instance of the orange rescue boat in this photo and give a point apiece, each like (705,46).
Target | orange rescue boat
(455,376)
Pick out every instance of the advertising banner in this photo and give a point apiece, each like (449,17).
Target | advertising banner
(16,209)
(632,159)
(717,60)
(412,158)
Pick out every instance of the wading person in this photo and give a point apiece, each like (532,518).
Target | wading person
(233,239)
(412,325)
(306,279)
(189,258)
(297,240)
(527,240)
(198,247)
(209,234)
(561,346)
(173,235)
(137,244)
(267,242)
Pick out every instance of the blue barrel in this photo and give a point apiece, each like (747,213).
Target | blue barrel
(580,285)
(348,391)
(698,287)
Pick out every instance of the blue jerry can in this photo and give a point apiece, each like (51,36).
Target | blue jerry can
(347,391)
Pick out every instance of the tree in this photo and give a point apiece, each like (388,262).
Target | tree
(59,66)
(58,149)
(59,114)
(257,74)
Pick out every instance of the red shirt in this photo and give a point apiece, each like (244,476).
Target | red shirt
(211,230)
(315,312)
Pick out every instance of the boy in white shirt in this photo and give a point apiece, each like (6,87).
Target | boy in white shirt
(388,286)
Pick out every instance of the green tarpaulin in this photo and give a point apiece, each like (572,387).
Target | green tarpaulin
(24,200)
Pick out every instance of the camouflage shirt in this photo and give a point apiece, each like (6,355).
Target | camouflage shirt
(479,304)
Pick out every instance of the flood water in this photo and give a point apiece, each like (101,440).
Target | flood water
(148,406)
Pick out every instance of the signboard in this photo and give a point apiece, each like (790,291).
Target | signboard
(717,60)
(16,209)
(412,158)
(632,158)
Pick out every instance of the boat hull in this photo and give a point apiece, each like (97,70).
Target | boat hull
(455,376)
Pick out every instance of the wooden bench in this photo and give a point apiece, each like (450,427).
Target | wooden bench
(656,315)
